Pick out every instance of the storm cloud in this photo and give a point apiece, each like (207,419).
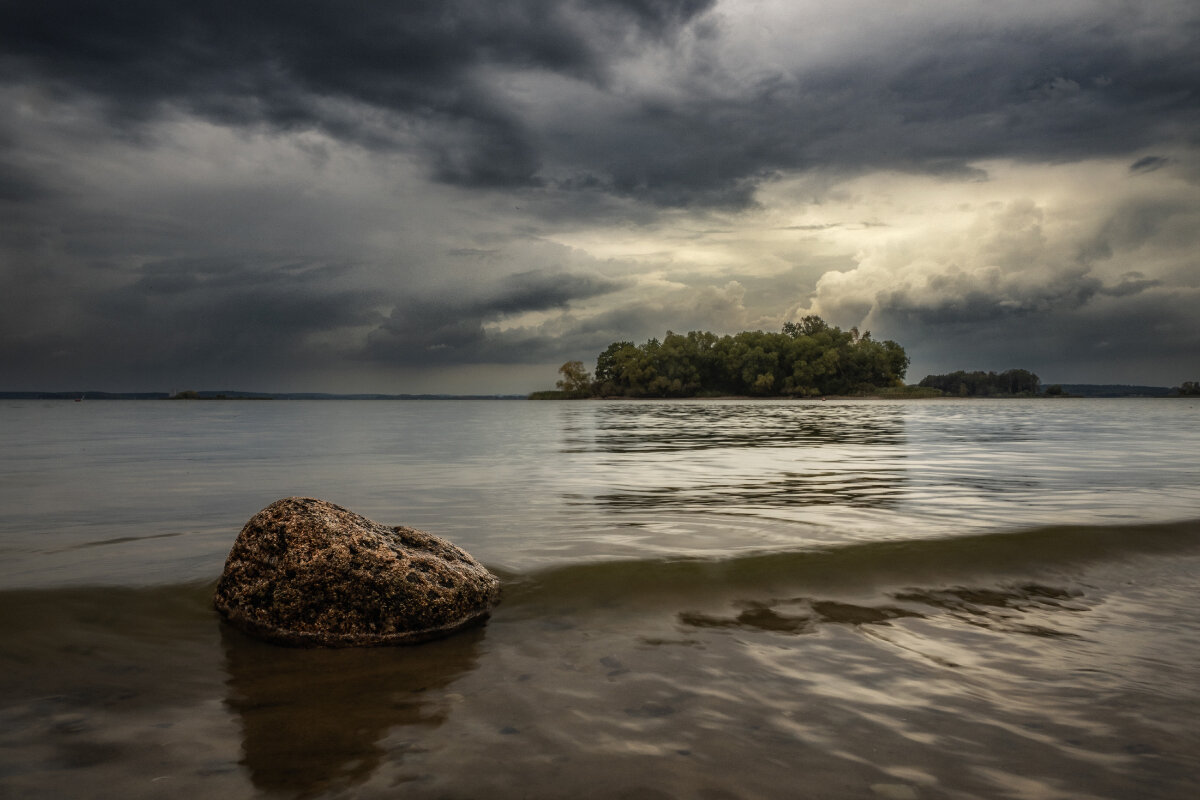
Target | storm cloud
(532,91)
(381,75)
(387,196)
(455,329)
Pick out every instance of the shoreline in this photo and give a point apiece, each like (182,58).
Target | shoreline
(542,396)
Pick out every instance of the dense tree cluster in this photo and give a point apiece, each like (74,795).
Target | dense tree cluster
(806,358)
(1188,389)
(984,384)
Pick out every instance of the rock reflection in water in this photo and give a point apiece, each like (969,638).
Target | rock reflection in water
(314,720)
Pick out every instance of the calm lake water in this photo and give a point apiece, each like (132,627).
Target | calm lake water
(702,599)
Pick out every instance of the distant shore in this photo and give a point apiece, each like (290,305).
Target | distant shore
(236,395)
(1070,390)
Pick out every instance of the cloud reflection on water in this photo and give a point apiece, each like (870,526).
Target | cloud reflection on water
(768,455)
(667,427)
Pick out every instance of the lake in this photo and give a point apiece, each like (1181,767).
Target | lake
(702,599)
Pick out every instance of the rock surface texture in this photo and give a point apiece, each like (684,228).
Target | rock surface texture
(308,572)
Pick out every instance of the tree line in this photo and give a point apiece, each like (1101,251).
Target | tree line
(806,358)
(985,384)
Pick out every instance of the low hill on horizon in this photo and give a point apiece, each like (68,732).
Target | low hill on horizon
(1113,390)
(239,395)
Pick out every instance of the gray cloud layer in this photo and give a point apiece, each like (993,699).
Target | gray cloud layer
(394,75)
(415,67)
(451,330)
(246,191)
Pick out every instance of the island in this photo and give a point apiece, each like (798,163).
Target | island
(809,358)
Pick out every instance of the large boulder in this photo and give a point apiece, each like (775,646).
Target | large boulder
(308,572)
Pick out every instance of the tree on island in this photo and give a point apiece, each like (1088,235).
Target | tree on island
(1188,389)
(576,382)
(807,358)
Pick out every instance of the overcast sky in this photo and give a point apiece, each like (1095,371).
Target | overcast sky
(454,196)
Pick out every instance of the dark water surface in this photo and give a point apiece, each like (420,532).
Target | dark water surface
(702,600)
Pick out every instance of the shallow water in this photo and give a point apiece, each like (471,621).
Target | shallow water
(702,599)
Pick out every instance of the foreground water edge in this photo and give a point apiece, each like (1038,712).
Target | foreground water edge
(1051,662)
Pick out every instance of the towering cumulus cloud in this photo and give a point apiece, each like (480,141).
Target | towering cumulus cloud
(459,196)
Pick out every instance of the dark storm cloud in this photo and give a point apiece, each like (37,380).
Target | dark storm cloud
(1106,342)
(188,316)
(924,100)
(1131,283)
(963,298)
(930,97)
(1148,164)
(423,330)
(294,65)
(953,97)
(19,185)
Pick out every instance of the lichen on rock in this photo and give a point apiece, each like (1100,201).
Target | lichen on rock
(307,572)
